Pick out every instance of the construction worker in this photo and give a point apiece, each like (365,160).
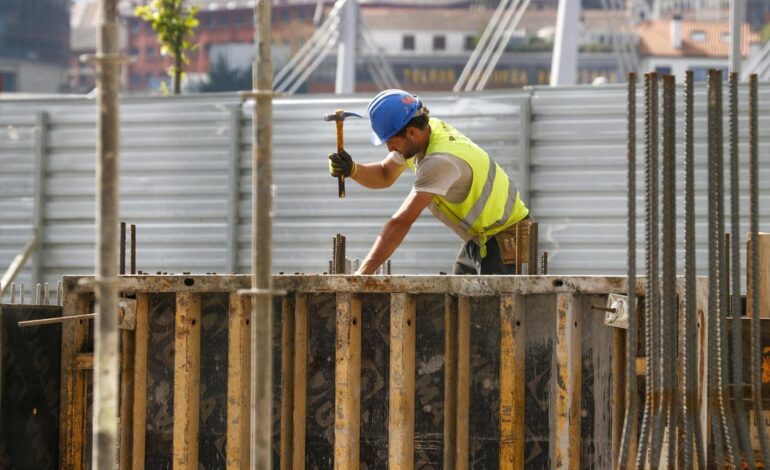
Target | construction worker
(455,178)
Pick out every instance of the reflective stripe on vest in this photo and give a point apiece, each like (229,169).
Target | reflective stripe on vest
(483,213)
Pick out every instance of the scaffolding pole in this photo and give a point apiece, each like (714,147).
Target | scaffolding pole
(106,365)
(261,241)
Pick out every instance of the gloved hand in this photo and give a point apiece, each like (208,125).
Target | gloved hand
(341,164)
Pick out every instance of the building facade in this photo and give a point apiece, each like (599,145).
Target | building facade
(34,45)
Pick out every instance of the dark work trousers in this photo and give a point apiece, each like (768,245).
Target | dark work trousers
(469,260)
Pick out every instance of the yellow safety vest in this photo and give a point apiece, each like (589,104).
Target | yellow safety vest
(493,203)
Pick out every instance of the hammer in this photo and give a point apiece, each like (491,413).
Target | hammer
(338,117)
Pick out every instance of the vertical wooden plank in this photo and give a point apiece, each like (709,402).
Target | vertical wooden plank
(347,382)
(287,382)
(300,380)
(512,381)
(618,388)
(463,380)
(401,394)
(450,381)
(763,283)
(139,424)
(565,434)
(72,437)
(238,383)
(187,342)
(126,397)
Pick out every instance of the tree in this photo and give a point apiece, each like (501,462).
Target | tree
(174,24)
(224,78)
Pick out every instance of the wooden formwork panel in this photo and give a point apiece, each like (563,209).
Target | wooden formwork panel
(470,378)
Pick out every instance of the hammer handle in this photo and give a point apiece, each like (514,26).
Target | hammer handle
(340,146)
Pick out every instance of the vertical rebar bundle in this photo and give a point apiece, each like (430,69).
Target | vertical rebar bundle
(692,439)
(668,289)
(717,301)
(650,430)
(735,276)
(629,425)
(671,434)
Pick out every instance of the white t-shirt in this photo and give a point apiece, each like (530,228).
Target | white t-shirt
(445,175)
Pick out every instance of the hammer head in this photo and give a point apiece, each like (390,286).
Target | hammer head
(340,115)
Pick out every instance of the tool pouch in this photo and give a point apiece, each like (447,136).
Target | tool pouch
(507,242)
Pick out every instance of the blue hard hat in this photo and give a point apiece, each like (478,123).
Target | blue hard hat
(389,112)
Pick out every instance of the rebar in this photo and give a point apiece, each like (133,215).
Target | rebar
(46,295)
(713,249)
(133,248)
(689,383)
(339,254)
(122,244)
(21,294)
(333,261)
(756,352)
(733,448)
(13,293)
(38,293)
(668,297)
(722,435)
(59,293)
(644,433)
(735,274)
(629,425)
(544,263)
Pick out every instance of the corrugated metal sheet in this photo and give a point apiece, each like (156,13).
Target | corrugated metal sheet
(17,144)
(579,175)
(177,181)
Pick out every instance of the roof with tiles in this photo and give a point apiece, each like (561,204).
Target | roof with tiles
(699,39)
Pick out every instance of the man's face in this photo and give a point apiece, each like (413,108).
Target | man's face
(405,145)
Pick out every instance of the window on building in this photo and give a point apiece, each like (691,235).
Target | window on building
(149,51)
(663,69)
(698,36)
(439,42)
(7,81)
(407,42)
(134,51)
(726,37)
(470,42)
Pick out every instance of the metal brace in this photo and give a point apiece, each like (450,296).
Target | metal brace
(616,313)
(127,314)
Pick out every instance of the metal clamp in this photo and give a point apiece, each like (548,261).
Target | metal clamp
(616,311)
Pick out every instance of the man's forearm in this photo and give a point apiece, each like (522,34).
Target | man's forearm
(391,236)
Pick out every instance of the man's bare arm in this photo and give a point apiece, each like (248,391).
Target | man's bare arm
(394,231)
(378,175)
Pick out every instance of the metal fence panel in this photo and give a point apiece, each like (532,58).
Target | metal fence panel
(579,175)
(186,178)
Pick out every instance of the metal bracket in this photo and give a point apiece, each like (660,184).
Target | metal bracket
(127,314)
(616,313)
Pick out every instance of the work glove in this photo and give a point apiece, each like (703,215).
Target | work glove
(341,164)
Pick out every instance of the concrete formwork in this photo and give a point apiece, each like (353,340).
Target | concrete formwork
(398,371)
